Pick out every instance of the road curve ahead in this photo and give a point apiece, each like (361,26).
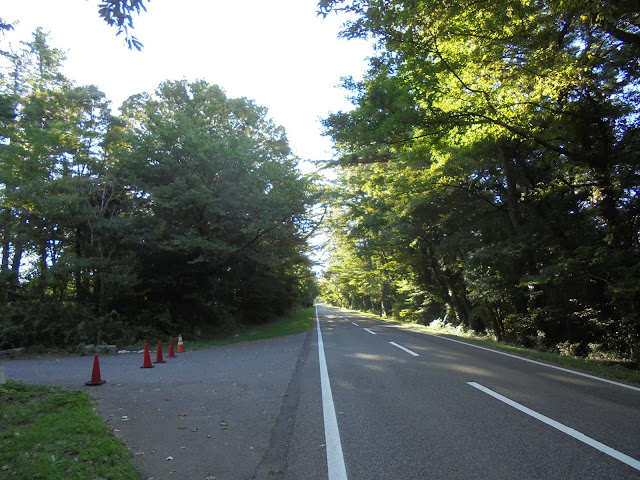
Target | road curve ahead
(409,405)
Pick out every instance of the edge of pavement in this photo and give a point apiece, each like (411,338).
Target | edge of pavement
(222,413)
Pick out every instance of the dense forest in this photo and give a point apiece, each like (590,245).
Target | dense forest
(184,212)
(489,170)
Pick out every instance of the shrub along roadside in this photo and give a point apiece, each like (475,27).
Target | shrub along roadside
(299,322)
(52,433)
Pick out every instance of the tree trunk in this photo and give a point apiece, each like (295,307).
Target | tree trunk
(608,200)
(460,309)
(506,152)
(16,264)
(386,303)
(5,256)
(43,271)
(498,325)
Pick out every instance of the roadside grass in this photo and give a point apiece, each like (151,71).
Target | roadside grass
(601,367)
(48,432)
(299,322)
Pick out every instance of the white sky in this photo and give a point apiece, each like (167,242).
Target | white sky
(278,53)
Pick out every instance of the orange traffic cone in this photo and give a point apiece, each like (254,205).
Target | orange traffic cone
(95,374)
(172,354)
(159,358)
(146,363)
(180,344)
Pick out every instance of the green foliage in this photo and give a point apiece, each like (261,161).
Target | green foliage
(185,212)
(492,154)
(298,322)
(219,203)
(49,432)
(118,13)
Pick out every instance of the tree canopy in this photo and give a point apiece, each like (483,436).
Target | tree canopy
(493,156)
(185,211)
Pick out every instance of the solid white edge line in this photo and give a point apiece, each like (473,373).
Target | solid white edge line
(632,462)
(335,460)
(593,377)
(372,333)
(405,349)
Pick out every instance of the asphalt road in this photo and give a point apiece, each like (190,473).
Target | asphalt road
(205,415)
(422,408)
(376,401)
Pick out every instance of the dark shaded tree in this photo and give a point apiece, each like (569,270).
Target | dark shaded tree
(510,131)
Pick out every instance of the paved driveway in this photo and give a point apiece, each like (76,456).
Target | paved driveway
(208,414)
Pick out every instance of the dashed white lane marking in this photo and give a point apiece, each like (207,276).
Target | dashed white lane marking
(355,324)
(632,462)
(335,460)
(372,333)
(405,349)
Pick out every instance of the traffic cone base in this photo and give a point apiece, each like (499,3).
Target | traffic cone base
(159,358)
(95,374)
(172,354)
(146,363)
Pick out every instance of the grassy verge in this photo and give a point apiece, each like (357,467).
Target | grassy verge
(299,322)
(51,433)
(603,368)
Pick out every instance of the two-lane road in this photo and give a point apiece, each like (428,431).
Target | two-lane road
(407,405)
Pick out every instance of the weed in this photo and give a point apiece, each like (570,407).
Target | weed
(49,432)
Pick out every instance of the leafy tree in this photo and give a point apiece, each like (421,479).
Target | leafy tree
(509,136)
(219,203)
(53,174)
(186,211)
